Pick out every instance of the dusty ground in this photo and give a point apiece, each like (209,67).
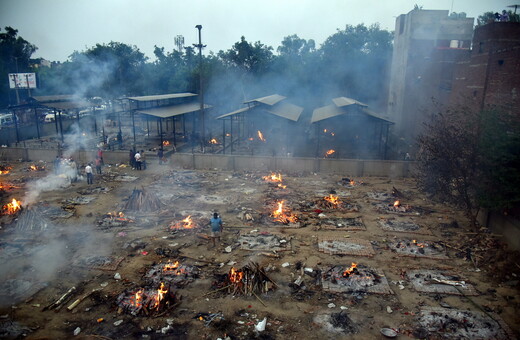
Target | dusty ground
(47,257)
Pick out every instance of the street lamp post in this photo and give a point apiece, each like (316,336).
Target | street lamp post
(201,91)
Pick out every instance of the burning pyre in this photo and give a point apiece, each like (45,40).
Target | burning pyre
(114,219)
(329,153)
(35,167)
(354,277)
(275,178)
(4,169)
(248,280)
(282,215)
(186,223)
(146,301)
(12,208)
(174,273)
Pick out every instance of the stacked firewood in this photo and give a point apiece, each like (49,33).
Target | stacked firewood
(143,200)
(249,280)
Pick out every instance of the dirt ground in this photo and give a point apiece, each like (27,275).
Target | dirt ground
(47,258)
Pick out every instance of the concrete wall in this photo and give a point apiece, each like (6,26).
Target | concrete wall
(505,225)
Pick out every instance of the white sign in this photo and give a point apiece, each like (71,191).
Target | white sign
(22,80)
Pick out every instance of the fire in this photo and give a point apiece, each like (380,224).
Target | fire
(165,143)
(120,216)
(160,296)
(280,185)
(235,276)
(137,299)
(280,216)
(213,141)
(352,182)
(332,199)
(33,167)
(228,135)
(186,223)
(329,152)
(350,270)
(4,172)
(174,269)
(13,207)
(397,204)
(420,245)
(273,177)
(261,136)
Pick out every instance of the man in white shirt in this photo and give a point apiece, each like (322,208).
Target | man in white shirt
(88,171)
(138,161)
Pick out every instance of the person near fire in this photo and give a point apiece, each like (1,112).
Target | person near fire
(99,163)
(138,161)
(88,171)
(216,227)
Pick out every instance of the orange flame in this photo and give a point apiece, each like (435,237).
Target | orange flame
(213,141)
(186,223)
(280,216)
(273,177)
(13,207)
(349,271)
(329,152)
(280,185)
(332,199)
(261,136)
(137,299)
(33,167)
(160,296)
(420,245)
(165,143)
(4,172)
(397,204)
(235,276)
(352,182)
(228,135)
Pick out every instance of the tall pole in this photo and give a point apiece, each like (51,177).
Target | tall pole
(201,91)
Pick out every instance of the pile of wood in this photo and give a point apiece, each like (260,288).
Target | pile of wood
(143,200)
(31,221)
(249,280)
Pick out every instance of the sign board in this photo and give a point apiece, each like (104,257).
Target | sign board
(22,80)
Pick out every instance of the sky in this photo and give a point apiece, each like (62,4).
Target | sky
(60,27)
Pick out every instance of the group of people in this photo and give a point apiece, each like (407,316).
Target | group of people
(137,160)
(66,166)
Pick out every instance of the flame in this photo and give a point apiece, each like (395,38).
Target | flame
(137,299)
(33,167)
(280,185)
(186,223)
(349,271)
(235,276)
(120,216)
(4,172)
(332,134)
(280,216)
(324,130)
(160,296)
(261,136)
(165,143)
(329,152)
(228,135)
(13,207)
(352,182)
(397,204)
(213,141)
(332,199)
(273,177)
(420,245)
(174,269)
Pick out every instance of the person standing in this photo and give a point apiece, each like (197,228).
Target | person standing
(100,155)
(216,227)
(99,163)
(160,155)
(137,158)
(88,171)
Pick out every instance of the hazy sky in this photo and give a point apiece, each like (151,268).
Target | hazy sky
(60,27)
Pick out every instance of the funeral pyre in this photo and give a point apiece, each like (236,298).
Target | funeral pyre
(4,169)
(283,215)
(185,224)
(147,301)
(249,280)
(173,273)
(416,248)
(143,201)
(12,208)
(355,278)
(275,178)
(35,167)
(114,219)
(328,203)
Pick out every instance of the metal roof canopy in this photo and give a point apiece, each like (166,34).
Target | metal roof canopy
(173,110)
(162,96)
(340,107)
(61,102)
(287,111)
(268,100)
(244,109)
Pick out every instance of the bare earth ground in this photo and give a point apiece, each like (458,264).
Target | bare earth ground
(47,257)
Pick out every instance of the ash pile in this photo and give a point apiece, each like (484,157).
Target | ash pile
(355,278)
(173,273)
(113,219)
(32,221)
(414,248)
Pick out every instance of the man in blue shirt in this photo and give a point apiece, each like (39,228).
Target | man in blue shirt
(216,227)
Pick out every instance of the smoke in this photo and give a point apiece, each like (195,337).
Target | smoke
(75,141)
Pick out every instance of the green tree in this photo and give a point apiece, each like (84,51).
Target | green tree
(15,53)
(254,58)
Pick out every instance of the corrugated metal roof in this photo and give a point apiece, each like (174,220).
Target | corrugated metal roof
(326,112)
(68,105)
(244,109)
(375,115)
(173,110)
(287,110)
(162,96)
(58,98)
(269,100)
(344,101)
